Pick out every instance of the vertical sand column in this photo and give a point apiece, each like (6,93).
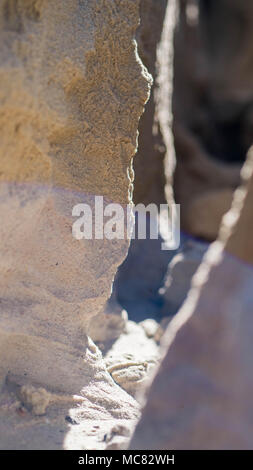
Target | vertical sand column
(72,92)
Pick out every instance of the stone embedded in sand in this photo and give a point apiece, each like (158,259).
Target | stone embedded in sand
(72,92)
(150,327)
(35,400)
(201,395)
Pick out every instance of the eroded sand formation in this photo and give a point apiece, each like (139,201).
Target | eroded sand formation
(72,92)
(212,126)
(201,395)
(212,108)
(73,89)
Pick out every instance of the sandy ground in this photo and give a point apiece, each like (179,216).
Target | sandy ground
(96,422)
